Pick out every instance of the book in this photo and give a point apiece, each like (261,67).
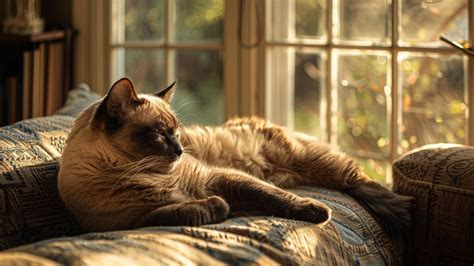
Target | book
(38,92)
(51,91)
(27,83)
(35,80)
(3,110)
(61,74)
(42,80)
(55,78)
(12,99)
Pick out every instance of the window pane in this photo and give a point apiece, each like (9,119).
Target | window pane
(309,116)
(433,99)
(293,20)
(422,22)
(135,20)
(144,67)
(199,20)
(363,21)
(380,170)
(363,98)
(198,98)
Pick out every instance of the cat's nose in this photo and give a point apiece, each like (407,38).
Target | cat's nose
(178,151)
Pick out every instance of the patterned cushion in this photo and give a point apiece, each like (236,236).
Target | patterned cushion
(441,178)
(30,207)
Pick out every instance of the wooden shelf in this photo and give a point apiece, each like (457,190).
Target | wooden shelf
(35,74)
(42,37)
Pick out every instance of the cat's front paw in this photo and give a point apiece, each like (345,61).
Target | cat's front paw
(309,210)
(218,209)
(207,211)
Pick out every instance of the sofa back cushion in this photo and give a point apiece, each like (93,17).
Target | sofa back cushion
(30,207)
(441,179)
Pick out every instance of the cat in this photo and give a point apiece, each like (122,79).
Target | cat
(128,163)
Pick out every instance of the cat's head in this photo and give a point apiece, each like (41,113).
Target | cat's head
(139,125)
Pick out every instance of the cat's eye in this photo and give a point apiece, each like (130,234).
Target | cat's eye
(159,131)
(170,131)
(159,128)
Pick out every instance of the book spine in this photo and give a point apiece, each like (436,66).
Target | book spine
(54,88)
(50,81)
(12,99)
(42,81)
(27,83)
(61,73)
(39,81)
(35,111)
(2,96)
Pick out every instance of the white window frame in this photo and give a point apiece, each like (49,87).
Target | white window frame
(279,103)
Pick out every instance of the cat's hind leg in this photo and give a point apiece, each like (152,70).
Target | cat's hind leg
(321,165)
(191,213)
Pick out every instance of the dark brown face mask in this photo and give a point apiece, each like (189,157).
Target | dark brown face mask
(125,127)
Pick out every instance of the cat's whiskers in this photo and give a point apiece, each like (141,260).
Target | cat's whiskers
(195,115)
(184,121)
(134,169)
(183,101)
(178,109)
(146,163)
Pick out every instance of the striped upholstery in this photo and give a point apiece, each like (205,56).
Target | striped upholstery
(30,211)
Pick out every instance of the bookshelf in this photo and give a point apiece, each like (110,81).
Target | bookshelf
(35,74)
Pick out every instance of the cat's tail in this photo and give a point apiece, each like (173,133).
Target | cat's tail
(392,211)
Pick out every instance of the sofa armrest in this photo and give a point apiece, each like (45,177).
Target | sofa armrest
(441,179)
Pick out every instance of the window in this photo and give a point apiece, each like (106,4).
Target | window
(370,76)
(155,42)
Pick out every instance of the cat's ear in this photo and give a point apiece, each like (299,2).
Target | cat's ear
(121,97)
(168,93)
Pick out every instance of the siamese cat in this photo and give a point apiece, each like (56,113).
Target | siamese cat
(128,163)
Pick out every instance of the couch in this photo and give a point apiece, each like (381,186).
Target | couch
(36,228)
